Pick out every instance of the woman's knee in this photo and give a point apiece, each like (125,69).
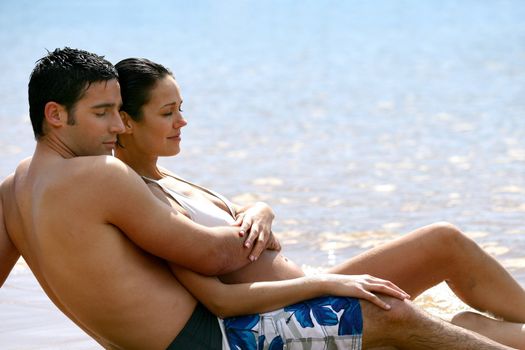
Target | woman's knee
(449,239)
(446,231)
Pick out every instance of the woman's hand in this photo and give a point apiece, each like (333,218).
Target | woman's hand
(364,287)
(256,220)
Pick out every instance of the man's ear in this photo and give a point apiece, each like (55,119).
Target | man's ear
(127,121)
(55,114)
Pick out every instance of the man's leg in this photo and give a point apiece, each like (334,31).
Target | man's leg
(511,334)
(407,327)
(440,252)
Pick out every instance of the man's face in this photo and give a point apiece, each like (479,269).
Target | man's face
(97,120)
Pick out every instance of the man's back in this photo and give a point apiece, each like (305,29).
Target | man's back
(56,219)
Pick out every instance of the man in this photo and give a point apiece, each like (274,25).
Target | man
(96,238)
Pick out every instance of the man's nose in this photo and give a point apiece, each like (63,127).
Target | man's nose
(116,126)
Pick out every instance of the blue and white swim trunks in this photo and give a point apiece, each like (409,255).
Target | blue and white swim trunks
(316,324)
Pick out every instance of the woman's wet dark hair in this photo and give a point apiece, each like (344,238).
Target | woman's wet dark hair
(137,77)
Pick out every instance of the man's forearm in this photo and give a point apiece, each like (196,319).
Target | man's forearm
(227,252)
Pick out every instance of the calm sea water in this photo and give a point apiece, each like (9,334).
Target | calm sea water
(357,121)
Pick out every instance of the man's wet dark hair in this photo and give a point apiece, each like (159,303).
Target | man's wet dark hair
(63,76)
(137,77)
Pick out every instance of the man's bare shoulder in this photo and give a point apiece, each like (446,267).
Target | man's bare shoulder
(104,175)
(20,170)
(96,163)
(98,169)
(6,185)
(97,186)
(6,182)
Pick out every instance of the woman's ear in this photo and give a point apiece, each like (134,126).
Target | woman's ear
(127,121)
(55,114)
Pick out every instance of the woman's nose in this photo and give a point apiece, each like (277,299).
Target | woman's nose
(179,122)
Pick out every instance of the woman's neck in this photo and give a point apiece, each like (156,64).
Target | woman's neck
(143,165)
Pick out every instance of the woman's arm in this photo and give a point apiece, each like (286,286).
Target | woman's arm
(226,300)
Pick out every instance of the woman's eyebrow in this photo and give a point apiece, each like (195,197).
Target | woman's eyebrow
(170,104)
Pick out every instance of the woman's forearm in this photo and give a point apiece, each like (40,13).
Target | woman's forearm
(225,300)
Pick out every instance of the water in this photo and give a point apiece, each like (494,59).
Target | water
(357,121)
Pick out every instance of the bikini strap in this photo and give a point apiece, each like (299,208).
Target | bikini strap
(160,185)
(211,192)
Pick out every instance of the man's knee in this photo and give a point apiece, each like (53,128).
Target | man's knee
(400,314)
(387,327)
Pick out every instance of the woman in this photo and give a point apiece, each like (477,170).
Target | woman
(152,116)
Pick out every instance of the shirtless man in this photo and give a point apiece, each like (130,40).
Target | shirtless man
(96,238)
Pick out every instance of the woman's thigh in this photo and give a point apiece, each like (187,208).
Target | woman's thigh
(414,262)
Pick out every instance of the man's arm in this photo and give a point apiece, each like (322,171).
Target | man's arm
(8,252)
(226,300)
(127,203)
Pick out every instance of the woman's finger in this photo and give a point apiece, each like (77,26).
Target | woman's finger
(375,280)
(253,230)
(259,246)
(384,289)
(374,299)
(245,227)
(238,221)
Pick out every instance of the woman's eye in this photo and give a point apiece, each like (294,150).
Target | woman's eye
(167,114)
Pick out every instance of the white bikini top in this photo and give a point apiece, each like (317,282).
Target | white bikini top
(202,212)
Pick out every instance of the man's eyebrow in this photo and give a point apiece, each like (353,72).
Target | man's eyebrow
(105,105)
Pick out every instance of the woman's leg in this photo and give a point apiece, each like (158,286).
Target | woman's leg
(508,333)
(440,252)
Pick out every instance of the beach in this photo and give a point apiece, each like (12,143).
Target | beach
(357,122)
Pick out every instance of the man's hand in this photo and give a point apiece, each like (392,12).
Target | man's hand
(256,220)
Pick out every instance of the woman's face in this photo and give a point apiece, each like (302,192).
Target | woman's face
(158,133)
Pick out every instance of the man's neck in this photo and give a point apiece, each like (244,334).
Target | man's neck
(51,144)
